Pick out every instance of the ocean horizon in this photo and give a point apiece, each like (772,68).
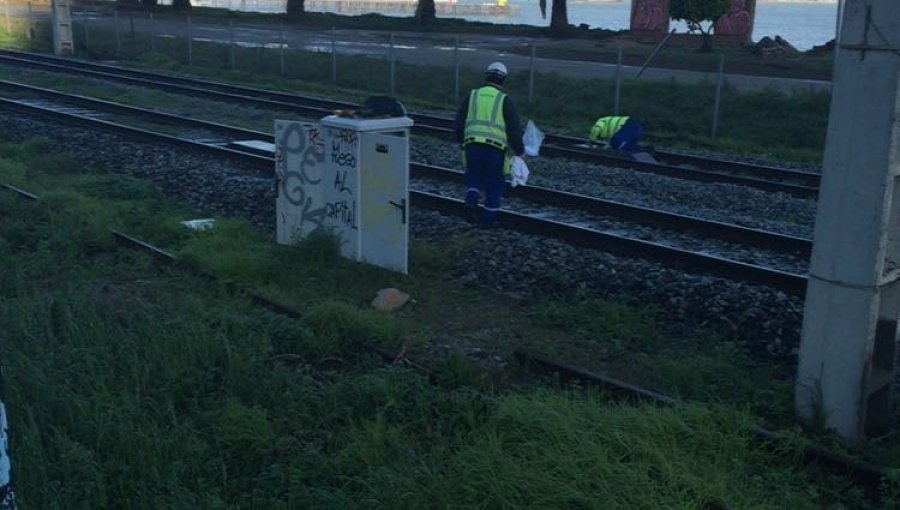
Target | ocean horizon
(803,23)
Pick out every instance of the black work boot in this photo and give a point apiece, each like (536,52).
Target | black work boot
(472,214)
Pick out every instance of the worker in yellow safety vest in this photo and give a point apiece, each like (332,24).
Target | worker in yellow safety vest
(488,128)
(620,133)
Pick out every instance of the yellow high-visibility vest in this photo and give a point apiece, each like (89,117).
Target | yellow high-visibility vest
(606,127)
(485,122)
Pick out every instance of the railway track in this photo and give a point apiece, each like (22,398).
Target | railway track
(585,231)
(794,182)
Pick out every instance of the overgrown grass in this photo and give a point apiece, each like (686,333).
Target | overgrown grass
(145,390)
(675,114)
(136,386)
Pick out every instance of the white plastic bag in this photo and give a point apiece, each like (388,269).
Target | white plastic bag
(532,139)
(518,171)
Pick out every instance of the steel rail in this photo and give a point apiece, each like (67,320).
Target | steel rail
(801,177)
(647,216)
(424,123)
(259,162)
(862,473)
(665,255)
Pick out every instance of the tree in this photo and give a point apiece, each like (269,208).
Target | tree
(697,12)
(559,17)
(294,9)
(425,11)
(181,5)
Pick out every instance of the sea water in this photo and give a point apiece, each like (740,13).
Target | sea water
(802,24)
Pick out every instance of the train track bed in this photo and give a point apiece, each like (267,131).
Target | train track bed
(526,266)
(797,183)
(727,203)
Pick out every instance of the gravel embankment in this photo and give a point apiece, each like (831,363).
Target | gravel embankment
(508,261)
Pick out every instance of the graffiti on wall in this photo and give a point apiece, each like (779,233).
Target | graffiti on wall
(738,21)
(650,15)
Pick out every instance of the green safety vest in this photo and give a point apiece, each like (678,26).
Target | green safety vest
(606,127)
(485,122)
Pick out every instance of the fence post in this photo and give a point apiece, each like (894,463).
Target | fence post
(333,57)
(118,35)
(456,69)
(392,64)
(87,38)
(190,40)
(6,9)
(618,81)
(152,34)
(715,119)
(531,77)
(281,45)
(30,26)
(231,43)
(131,23)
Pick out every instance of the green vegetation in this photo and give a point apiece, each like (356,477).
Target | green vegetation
(137,386)
(697,12)
(768,124)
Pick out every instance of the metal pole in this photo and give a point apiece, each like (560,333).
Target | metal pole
(653,54)
(392,64)
(333,57)
(6,8)
(281,45)
(30,26)
(456,68)
(618,81)
(87,39)
(152,34)
(118,35)
(231,42)
(131,23)
(190,41)
(715,120)
(531,77)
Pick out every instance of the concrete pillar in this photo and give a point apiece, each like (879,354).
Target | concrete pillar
(63,43)
(847,351)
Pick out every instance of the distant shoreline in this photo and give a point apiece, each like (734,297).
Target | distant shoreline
(829,2)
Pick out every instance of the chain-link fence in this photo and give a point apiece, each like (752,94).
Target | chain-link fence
(434,69)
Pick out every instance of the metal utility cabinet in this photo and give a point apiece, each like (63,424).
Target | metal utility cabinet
(367,187)
(350,176)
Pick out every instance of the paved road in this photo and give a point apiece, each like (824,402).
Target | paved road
(475,51)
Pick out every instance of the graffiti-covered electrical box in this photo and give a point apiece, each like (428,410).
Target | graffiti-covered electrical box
(367,187)
(349,176)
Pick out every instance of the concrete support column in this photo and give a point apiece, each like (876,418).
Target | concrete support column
(63,43)
(847,352)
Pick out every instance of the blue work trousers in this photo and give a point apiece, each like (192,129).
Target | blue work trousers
(484,172)
(627,137)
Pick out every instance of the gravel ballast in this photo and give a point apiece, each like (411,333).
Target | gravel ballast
(765,319)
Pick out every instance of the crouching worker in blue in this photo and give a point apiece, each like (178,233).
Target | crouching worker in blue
(488,128)
(620,133)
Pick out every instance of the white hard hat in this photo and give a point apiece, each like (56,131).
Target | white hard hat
(497,68)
